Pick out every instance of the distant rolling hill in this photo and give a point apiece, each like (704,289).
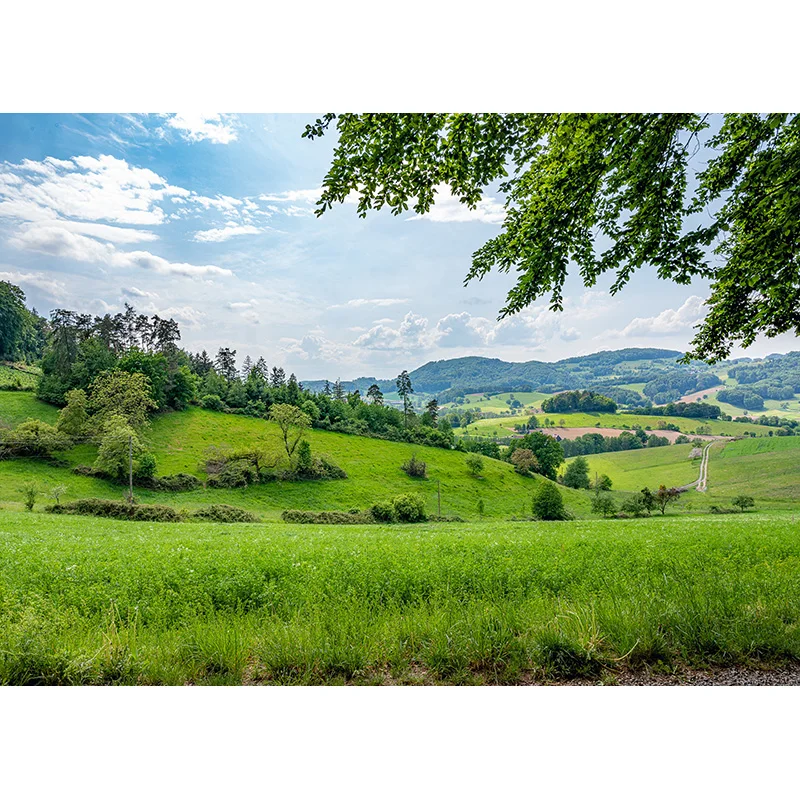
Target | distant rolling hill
(478,374)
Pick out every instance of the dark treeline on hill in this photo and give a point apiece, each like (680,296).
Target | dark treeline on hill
(584,400)
(591,443)
(693,410)
(674,384)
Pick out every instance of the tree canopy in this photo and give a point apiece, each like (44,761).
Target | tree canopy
(607,192)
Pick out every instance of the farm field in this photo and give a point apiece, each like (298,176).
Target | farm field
(497,402)
(180,440)
(504,427)
(764,468)
(154,603)
(631,470)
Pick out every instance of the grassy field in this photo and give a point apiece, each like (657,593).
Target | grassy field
(16,407)
(124,602)
(767,469)
(630,470)
(497,402)
(489,427)
(179,441)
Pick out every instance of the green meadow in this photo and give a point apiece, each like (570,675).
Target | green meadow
(104,601)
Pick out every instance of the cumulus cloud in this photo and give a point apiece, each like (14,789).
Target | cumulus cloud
(669,322)
(133,291)
(187,314)
(86,188)
(377,301)
(215,128)
(461,330)
(61,243)
(412,334)
(447,208)
(223,234)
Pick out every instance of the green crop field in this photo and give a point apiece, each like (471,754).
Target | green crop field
(631,470)
(124,602)
(497,402)
(488,427)
(179,442)
(767,469)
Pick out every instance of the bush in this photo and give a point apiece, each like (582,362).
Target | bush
(326,517)
(634,505)
(116,509)
(32,438)
(219,512)
(234,475)
(382,512)
(212,402)
(30,491)
(603,504)
(180,482)
(548,504)
(474,462)
(409,508)
(415,468)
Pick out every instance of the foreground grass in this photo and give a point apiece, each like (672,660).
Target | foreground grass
(99,601)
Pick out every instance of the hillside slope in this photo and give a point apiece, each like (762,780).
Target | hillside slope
(180,440)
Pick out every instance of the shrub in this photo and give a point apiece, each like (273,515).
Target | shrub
(326,517)
(212,402)
(548,504)
(415,468)
(118,442)
(32,438)
(180,482)
(234,475)
(116,509)
(634,505)
(524,461)
(29,491)
(220,512)
(409,508)
(603,484)
(603,504)
(382,512)
(474,462)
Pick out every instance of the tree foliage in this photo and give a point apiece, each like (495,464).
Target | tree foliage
(568,177)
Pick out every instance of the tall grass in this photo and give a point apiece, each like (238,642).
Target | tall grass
(118,602)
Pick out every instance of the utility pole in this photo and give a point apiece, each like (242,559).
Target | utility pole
(439,494)
(130,470)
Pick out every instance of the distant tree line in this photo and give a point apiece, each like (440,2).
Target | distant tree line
(582,400)
(692,410)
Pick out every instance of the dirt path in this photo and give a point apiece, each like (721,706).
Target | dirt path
(701,484)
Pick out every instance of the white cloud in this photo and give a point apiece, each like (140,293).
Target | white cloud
(309,196)
(133,291)
(85,188)
(378,301)
(447,208)
(412,334)
(462,330)
(187,314)
(60,243)
(242,305)
(669,322)
(223,234)
(216,128)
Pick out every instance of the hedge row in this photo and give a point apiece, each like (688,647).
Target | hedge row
(144,512)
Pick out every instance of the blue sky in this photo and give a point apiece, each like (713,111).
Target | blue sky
(209,219)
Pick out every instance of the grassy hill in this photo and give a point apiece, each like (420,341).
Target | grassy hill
(767,468)
(500,427)
(179,441)
(16,407)
(630,470)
